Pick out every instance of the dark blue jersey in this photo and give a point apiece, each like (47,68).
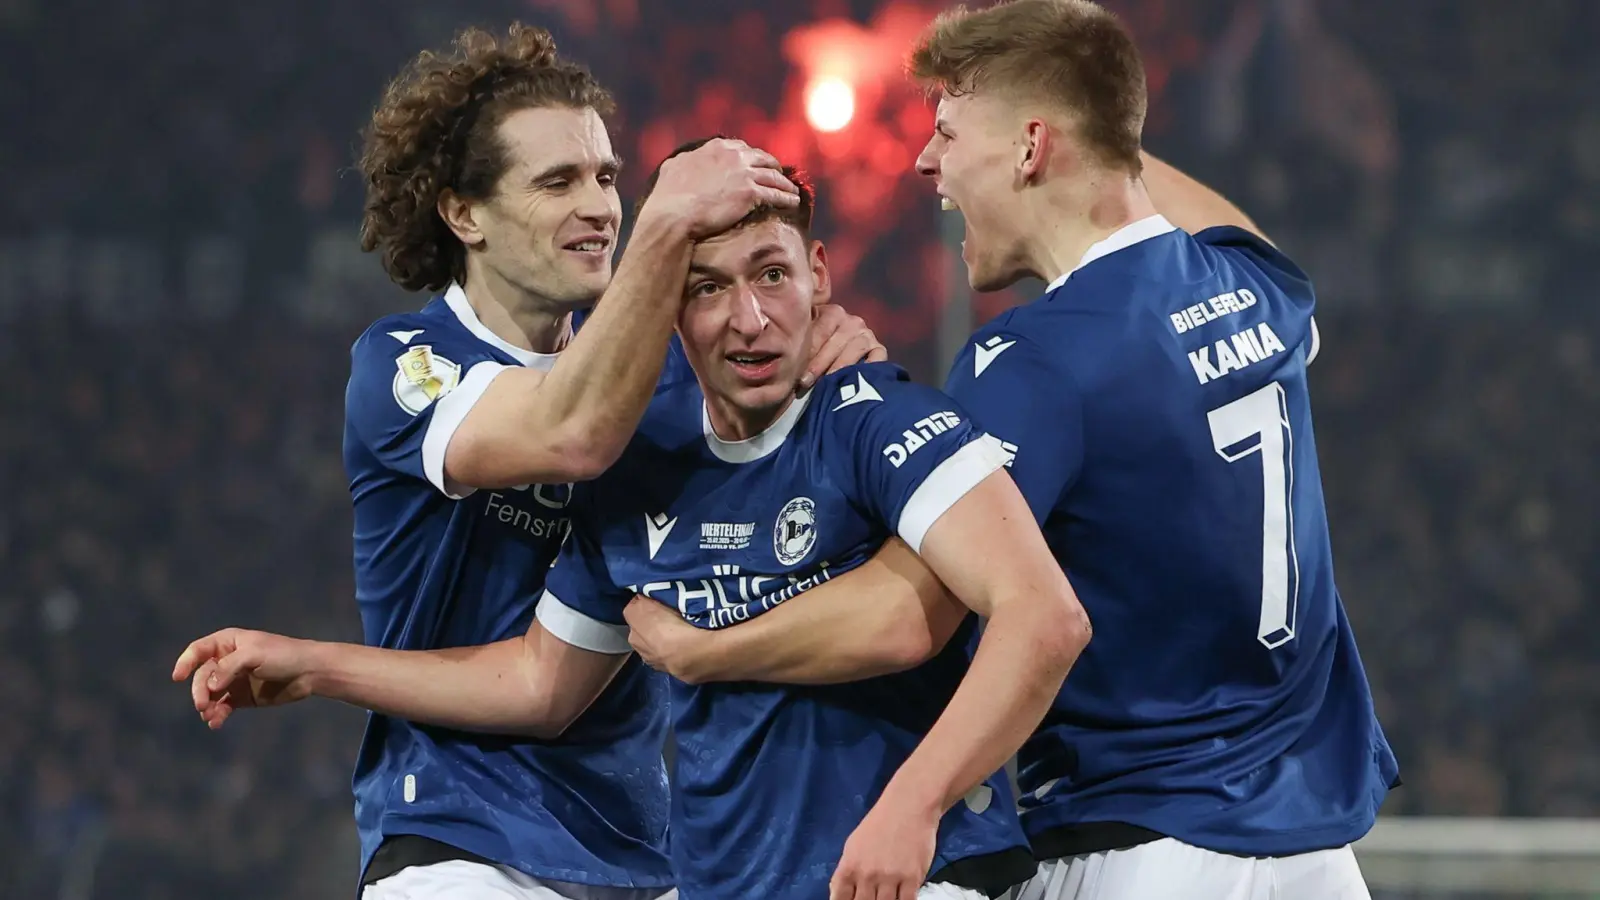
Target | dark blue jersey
(1154,401)
(437,567)
(770,780)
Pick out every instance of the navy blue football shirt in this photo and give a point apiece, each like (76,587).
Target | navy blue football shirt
(770,780)
(1154,403)
(437,567)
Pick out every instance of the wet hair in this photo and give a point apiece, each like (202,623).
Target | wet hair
(437,128)
(1071,53)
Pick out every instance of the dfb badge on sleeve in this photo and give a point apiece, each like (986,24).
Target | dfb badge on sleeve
(423,378)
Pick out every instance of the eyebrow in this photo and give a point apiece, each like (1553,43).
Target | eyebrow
(609,166)
(762,253)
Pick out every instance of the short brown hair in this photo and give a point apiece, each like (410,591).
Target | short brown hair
(1073,53)
(436,128)
(799,215)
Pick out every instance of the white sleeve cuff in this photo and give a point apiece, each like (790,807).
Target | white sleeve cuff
(448,413)
(948,483)
(579,629)
(1316,342)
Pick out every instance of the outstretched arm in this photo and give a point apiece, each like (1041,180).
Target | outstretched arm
(535,685)
(887,615)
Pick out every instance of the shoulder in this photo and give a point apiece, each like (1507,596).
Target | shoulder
(417,357)
(432,327)
(1027,339)
(865,389)
(1241,244)
(863,407)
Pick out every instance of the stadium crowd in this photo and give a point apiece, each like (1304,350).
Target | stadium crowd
(167,474)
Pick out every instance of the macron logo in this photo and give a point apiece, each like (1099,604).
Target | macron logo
(988,351)
(405,337)
(860,392)
(657,527)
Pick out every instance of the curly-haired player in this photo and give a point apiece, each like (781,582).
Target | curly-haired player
(491,179)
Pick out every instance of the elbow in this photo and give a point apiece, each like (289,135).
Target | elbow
(587,465)
(1060,629)
(906,647)
(546,718)
(1070,631)
(586,452)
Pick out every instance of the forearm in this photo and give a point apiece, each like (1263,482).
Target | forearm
(606,377)
(468,688)
(1021,662)
(1189,204)
(813,640)
(887,615)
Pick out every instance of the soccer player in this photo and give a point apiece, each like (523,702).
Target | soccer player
(735,499)
(491,180)
(1217,739)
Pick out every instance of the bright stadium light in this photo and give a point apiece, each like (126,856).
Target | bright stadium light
(830,102)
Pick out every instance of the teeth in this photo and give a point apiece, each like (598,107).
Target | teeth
(946,203)
(590,245)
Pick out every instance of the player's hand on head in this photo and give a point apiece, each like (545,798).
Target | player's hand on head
(839,339)
(663,639)
(235,669)
(888,856)
(715,185)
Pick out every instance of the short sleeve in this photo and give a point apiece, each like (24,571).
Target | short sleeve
(1031,407)
(408,394)
(581,604)
(904,452)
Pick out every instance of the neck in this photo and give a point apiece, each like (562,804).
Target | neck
(733,423)
(515,315)
(1075,220)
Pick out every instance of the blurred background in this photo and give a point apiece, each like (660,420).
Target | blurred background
(180,284)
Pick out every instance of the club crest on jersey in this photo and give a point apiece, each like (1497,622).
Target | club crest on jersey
(796,531)
(423,378)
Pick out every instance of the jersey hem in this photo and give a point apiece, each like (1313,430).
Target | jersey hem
(1271,845)
(521,864)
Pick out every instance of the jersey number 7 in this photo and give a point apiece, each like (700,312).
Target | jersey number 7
(1258,425)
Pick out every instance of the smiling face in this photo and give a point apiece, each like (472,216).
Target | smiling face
(550,226)
(746,320)
(973,159)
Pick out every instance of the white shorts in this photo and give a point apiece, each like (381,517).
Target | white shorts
(458,879)
(1169,869)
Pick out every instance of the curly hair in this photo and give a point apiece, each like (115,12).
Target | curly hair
(436,128)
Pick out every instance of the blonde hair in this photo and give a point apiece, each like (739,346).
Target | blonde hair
(1070,53)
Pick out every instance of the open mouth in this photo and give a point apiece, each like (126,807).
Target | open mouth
(754,366)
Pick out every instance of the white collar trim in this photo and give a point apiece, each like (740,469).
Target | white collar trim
(456,298)
(752,449)
(1121,239)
